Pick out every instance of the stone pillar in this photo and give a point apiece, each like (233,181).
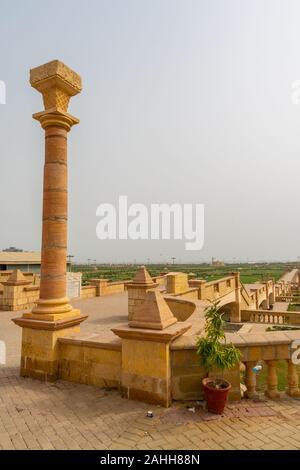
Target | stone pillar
(202,288)
(273,294)
(235,313)
(13,292)
(101,286)
(53,315)
(146,364)
(293,380)
(266,303)
(250,380)
(272,380)
(257,299)
(137,290)
(177,283)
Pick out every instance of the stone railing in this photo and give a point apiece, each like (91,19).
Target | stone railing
(248,298)
(192,293)
(87,292)
(261,294)
(224,290)
(107,287)
(267,349)
(284,298)
(213,290)
(270,316)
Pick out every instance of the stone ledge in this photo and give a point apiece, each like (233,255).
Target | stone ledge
(31,288)
(217,281)
(175,298)
(184,342)
(92,340)
(159,336)
(49,325)
(180,294)
(243,340)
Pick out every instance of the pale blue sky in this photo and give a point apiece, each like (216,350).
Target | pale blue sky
(183,101)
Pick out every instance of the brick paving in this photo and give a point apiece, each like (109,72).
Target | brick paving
(64,415)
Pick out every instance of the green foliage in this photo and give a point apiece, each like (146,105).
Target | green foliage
(249,272)
(212,348)
(294,307)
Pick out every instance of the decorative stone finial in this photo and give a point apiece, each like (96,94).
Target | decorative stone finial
(17,278)
(153,314)
(143,277)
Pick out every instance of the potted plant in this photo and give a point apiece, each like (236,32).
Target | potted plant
(215,353)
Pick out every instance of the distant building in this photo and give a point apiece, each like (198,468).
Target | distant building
(26,261)
(217,262)
(13,249)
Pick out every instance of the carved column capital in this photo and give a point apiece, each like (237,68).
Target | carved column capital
(57,83)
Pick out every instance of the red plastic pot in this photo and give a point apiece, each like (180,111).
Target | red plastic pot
(215,397)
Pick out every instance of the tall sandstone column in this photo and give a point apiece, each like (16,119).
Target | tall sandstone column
(53,316)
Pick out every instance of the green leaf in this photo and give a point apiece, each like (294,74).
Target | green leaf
(212,352)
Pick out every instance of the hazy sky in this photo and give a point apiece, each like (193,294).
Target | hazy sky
(183,101)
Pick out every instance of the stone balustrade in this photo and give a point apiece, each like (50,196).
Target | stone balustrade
(266,348)
(284,298)
(271,390)
(271,317)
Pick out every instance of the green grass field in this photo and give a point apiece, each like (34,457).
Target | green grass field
(249,272)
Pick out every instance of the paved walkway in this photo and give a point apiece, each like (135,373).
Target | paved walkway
(64,415)
(280,306)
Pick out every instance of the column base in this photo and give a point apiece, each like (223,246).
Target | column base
(40,345)
(251,395)
(272,394)
(293,393)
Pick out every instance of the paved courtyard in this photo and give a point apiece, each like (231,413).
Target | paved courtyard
(64,415)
